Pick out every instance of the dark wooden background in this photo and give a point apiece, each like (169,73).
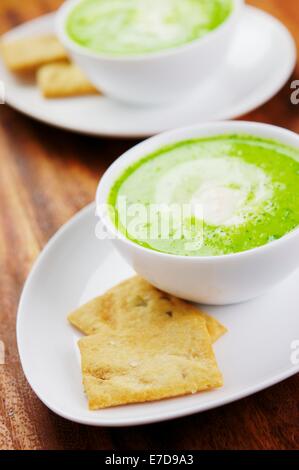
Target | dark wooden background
(46,176)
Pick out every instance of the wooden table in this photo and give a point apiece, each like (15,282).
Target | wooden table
(46,176)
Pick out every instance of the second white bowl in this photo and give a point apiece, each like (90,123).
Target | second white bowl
(153,78)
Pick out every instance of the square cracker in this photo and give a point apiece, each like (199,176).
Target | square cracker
(63,80)
(135,302)
(29,53)
(149,363)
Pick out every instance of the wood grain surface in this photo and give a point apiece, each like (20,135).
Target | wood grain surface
(46,176)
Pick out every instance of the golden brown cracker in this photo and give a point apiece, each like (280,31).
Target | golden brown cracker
(30,53)
(148,363)
(135,302)
(63,80)
(215,328)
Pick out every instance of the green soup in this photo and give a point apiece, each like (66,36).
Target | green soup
(126,27)
(235,192)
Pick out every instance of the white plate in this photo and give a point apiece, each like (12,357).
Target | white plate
(258,65)
(76,266)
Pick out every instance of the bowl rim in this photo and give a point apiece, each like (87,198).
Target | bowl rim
(250,127)
(65,9)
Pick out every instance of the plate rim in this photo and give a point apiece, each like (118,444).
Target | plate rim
(146,418)
(234,112)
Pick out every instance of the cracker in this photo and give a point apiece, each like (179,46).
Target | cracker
(135,302)
(63,80)
(30,53)
(215,328)
(148,364)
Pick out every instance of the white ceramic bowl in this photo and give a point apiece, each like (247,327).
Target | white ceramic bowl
(215,280)
(153,78)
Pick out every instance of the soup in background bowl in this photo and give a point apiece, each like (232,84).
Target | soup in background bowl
(128,27)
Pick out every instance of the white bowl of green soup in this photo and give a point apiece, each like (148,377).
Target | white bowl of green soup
(208,213)
(148,51)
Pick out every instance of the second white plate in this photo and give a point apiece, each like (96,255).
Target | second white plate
(259,63)
(258,350)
